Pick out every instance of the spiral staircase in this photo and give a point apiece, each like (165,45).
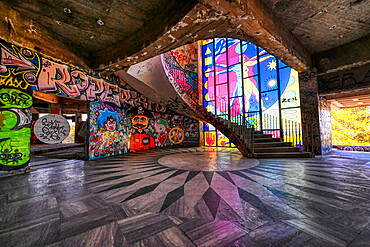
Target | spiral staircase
(251,143)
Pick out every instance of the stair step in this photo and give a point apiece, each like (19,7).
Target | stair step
(262,136)
(258,140)
(272,144)
(283,155)
(276,149)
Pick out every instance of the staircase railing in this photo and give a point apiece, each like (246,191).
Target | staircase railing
(239,131)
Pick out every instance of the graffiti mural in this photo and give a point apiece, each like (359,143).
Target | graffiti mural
(51,128)
(24,69)
(15,132)
(325,125)
(116,130)
(181,65)
(108,131)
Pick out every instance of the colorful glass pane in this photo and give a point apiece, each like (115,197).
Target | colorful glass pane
(233,51)
(250,62)
(210,138)
(208,58)
(268,73)
(209,84)
(222,140)
(281,64)
(220,46)
(290,88)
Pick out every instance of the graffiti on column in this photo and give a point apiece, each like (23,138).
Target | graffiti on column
(325,125)
(15,130)
(51,128)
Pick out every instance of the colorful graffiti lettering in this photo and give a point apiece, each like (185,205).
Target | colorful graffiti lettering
(15,132)
(15,98)
(23,69)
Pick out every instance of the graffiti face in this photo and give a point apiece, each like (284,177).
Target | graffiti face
(140,122)
(110,124)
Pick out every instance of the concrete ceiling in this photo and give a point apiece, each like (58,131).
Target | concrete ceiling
(323,25)
(91,28)
(114,34)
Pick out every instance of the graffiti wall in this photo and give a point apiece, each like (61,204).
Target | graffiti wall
(325,125)
(182,65)
(15,132)
(24,69)
(116,130)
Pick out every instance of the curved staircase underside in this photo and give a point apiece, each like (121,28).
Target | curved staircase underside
(153,79)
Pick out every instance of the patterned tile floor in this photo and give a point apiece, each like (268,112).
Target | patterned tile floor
(133,200)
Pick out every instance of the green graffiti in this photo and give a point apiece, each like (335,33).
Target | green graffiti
(15,151)
(8,120)
(14,98)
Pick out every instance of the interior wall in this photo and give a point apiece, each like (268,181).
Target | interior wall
(23,71)
(115,130)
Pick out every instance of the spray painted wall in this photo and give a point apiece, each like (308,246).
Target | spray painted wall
(182,65)
(116,130)
(15,132)
(23,71)
(325,125)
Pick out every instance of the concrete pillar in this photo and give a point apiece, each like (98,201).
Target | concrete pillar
(310,113)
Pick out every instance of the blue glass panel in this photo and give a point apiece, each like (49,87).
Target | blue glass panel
(269,99)
(250,60)
(244,42)
(208,57)
(262,52)
(209,127)
(268,73)
(220,46)
(281,64)
(285,79)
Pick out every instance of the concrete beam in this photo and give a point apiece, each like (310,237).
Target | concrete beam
(248,20)
(23,31)
(257,21)
(346,57)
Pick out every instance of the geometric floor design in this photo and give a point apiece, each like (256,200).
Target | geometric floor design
(133,200)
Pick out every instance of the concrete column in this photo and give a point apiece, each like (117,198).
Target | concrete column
(310,114)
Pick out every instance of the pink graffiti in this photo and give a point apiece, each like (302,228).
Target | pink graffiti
(20,62)
(78,84)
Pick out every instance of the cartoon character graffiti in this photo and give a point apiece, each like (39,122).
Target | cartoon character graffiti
(110,124)
(140,121)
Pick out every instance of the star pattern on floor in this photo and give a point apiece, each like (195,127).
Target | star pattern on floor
(133,200)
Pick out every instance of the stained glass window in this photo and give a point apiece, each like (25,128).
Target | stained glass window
(243,83)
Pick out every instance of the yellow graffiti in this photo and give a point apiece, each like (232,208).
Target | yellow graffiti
(10,81)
